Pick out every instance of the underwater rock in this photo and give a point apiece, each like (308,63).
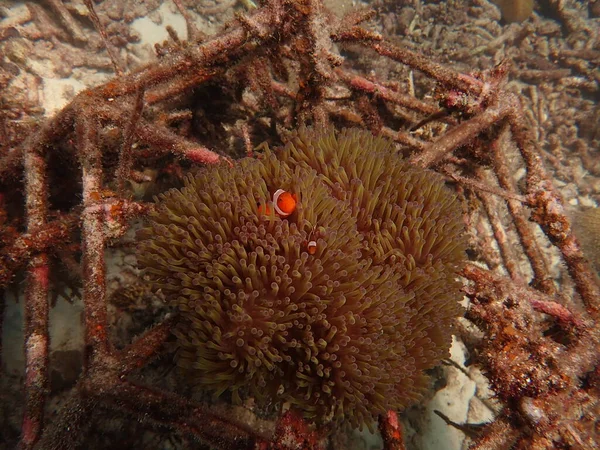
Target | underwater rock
(515,10)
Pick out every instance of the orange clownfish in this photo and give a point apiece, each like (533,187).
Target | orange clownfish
(311,247)
(284,204)
(311,244)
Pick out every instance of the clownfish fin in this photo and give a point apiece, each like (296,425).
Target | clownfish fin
(264,210)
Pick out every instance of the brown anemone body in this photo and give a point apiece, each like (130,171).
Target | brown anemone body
(344,333)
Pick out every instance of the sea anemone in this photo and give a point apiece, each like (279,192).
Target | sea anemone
(343,332)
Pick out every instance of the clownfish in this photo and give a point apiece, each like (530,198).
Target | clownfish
(311,244)
(311,247)
(284,204)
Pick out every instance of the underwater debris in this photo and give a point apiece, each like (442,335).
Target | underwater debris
(343,333)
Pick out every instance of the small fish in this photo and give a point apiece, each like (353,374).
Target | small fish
(311,243)
(284,204)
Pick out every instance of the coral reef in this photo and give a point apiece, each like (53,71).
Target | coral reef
(343,334)
(506,112)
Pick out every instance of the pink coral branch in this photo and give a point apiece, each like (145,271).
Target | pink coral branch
(379,91)
(391,431)
(539,301)
(164,139)
(201,155)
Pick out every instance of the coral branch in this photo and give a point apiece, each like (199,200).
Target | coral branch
(477,186)
(125,157)
(506,250)
(444,75)
(177,413)
(112,53)
(36,301)
(94,270)
(391,431)
(541,302)
(193,34)
(164,139)
(75,415)
(379,91)
(460,135)
(499,435)
(145,347)
(549,212)
(52,130)
(521,223)
(46,238)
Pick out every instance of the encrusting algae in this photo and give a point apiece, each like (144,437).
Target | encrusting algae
(342,331)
